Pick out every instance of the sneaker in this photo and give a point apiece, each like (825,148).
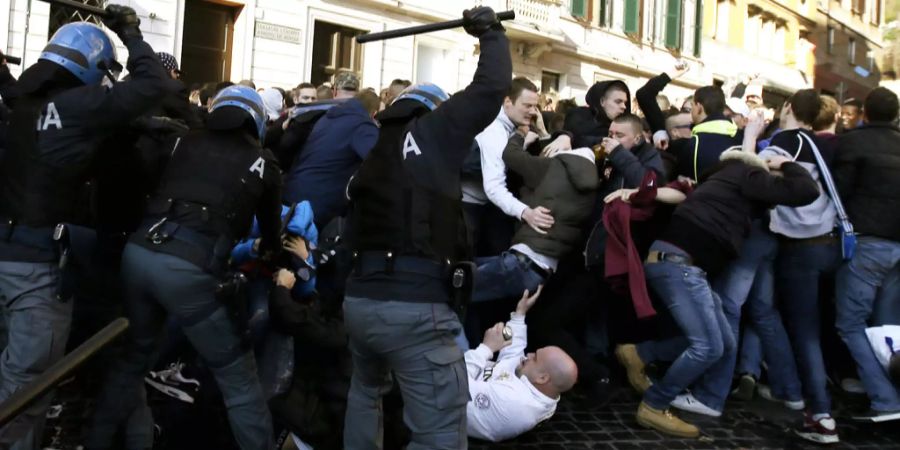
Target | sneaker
(172,383)
(664,422)
(766,393)
(627,355)
(745,389)
(822,431)
(852,386)
(688,403)
(876,416)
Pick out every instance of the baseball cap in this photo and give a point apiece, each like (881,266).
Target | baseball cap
(168,61)
(738,106)
(346,81)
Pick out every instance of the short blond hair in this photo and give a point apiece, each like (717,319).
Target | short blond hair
(827,113)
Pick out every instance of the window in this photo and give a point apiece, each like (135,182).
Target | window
(870,61)
(688,26)
(632,17)
(851,51)
(830,41)
(334,50)
(579,8)
(723,13)
(698,27)
(61,15)
(673,24)
(606,14)
(549,82)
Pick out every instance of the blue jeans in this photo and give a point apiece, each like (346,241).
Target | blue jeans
(799,268)
(502,277)
(857,286)
(749,279)
(38,326)
(887,304)
(750,357)
(698,311)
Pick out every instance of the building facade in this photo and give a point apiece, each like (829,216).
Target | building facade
(562,45)
(848,46)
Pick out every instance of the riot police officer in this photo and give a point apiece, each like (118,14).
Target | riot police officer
(215,182)
(407,232)
(62,107)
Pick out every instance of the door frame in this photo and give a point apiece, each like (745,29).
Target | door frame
(241,39)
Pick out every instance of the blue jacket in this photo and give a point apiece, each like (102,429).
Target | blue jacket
(700,153)
(337,146)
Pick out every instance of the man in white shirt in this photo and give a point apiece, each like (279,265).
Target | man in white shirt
(519,107)
(517,392)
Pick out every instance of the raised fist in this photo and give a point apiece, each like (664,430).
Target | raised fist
(123,21)
(477,21)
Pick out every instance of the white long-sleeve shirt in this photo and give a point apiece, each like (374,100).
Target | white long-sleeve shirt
(491,143)
(503,405)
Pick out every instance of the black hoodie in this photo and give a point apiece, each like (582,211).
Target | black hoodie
(589,124)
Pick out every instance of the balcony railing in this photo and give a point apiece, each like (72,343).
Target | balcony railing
(535,11)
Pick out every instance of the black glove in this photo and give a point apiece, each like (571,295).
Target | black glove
(161,125)
(477,21)
(123,21)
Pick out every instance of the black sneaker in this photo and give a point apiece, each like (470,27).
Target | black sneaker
(822,431)
(172,383)
(876,416)
(746,388)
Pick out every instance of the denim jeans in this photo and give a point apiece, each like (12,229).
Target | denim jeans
(749,279)
(503,277)
(887,304)
(698,312)
(750,356)
(856,287)
(799,269)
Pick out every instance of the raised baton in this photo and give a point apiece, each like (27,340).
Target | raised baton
(78,6)
(419,29)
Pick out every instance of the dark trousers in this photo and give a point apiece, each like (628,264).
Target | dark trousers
(490,229)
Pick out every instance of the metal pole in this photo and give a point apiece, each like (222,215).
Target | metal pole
(25,38)
(419,29)
(23,398)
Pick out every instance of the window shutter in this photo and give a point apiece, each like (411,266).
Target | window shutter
(698,28)
(673,24)
(579,8)
(632,17)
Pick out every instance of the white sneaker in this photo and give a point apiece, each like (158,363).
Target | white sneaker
(766,393)
(687,402)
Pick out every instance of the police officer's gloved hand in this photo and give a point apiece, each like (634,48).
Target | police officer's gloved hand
(477,21)
(161,124)
(123,21)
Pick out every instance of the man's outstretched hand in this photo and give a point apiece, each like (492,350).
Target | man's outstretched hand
(527,301)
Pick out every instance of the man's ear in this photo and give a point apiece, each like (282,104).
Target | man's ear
(542,378)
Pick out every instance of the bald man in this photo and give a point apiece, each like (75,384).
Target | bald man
(513,395)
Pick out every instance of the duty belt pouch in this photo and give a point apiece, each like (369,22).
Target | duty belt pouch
(232,293)
(161,231)
(462,283)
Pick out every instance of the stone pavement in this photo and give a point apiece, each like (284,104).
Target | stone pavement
(745,425)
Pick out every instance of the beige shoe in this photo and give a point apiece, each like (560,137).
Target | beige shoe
(627,355)
(664,422)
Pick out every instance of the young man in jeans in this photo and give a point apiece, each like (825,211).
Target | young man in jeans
(808,250)
(705,233)
(866,168)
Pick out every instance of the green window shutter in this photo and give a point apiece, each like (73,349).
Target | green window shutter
(698,28)
(604,7)
(632,17)
(579,8)
(673,24)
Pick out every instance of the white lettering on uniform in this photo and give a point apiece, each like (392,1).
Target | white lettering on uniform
(410,146)
(51,118)
(259,166)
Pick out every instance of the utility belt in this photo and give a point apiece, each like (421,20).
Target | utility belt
(529,263)
(203,251)
(830,238)
(458,277)
(36,237)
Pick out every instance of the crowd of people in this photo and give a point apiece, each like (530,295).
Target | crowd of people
(346,263)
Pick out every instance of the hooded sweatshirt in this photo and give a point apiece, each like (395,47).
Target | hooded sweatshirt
(565,184)
(589,124)
(336,147)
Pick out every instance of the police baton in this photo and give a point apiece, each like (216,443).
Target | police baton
(80,7)
(428,28)
(10,59)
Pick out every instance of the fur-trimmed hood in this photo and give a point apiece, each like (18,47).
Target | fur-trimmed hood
(738,154)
